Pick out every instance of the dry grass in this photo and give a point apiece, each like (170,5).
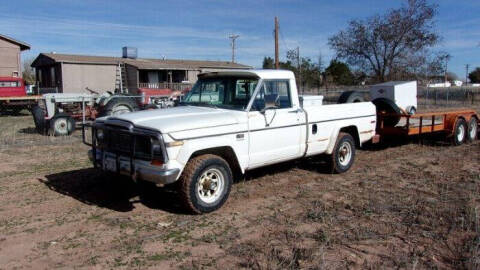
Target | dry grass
(406,206)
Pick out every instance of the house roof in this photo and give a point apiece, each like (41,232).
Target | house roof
(140,63)
(23,45)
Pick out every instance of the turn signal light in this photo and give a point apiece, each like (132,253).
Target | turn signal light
(157,162)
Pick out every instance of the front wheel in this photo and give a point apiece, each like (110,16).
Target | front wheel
(343,154)
(62,125)
(205,183)
(459,132)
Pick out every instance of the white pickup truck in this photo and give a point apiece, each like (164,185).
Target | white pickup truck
(230,122)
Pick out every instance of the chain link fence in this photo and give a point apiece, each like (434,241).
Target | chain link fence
(19,128)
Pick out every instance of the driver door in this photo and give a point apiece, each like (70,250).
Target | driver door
(274,133)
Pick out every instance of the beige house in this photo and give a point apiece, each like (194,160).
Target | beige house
(10,60)
(66,73)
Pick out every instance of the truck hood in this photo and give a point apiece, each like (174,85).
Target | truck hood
(179,118)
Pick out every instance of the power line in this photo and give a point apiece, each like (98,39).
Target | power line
(233,38)
(282,36)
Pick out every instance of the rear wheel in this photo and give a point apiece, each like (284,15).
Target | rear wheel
(459,132)
(62,125)
(472,129)
(205,183)
(343,154)
(119,105)
(39,119)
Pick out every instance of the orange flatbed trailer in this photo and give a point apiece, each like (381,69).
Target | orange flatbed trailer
(426,123)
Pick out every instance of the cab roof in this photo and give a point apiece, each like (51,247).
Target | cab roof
(257,73)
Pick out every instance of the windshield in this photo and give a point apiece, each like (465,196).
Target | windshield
(225,92)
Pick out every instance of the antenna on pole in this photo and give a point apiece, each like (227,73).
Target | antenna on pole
(276,44)
(233,38)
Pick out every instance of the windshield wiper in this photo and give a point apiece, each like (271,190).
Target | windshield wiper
(200,104)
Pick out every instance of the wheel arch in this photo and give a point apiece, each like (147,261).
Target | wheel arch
(351,129)
(225,152)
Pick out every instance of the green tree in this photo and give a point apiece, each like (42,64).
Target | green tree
(340,73)
(474,76)
(268,63)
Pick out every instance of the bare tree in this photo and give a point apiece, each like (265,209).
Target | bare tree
(28,72)
(382,43)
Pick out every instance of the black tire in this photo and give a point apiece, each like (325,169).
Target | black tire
(62,125)
(191,176)
(351,97)
(472,129)
(115,102)
(339,162)
(39,120)
(459,132)
(384,105)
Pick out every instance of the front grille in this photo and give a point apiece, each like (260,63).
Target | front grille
(123,143)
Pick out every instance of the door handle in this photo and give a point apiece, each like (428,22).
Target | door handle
(294,111)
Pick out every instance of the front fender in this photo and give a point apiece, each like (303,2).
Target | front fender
(183,153)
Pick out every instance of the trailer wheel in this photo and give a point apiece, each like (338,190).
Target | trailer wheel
(351,97)
(472,129)
(62,125)
(205,183)
(343,154)
(119,105)
(460,132)
(39,120)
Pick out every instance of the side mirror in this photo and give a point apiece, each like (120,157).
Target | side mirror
(271,102)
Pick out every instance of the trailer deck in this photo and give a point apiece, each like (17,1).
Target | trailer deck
(423,123)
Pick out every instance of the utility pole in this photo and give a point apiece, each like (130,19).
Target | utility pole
(466,74)
(233,38)
(277,64)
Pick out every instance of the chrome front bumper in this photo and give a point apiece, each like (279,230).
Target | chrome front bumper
(139,170)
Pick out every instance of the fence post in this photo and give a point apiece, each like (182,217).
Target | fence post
(426,98)
(448,92)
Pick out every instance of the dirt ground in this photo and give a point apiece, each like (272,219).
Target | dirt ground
(407,205)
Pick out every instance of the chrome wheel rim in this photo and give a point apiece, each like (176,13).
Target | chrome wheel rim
(120,109)
(473,129)
(461,133)
(61,125)
(210,185)
(345,153)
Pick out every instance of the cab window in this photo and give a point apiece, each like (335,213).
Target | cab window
(277,89)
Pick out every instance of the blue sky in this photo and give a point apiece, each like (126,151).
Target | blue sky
(199,29)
